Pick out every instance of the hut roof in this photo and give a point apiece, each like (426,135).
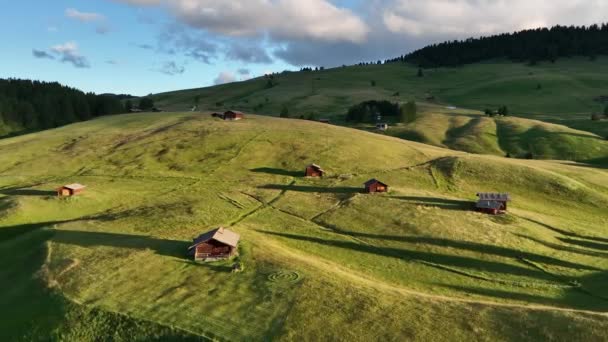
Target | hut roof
(235,112)
(488,196)
(373,181)
(316,167)
(74,186)
(220,234)
(488,204)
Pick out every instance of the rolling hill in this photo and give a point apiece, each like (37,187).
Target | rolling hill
(322,260)
(552,103)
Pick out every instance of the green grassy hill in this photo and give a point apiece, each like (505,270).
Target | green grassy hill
(570,90)
(323,261)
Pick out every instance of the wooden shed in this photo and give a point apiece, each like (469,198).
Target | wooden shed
(492,203)
(70,190)
(374,185)
(382,126)
(214,245)
(217,115)
(233,115)
(314,170)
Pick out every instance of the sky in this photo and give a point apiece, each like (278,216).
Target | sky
(149,46)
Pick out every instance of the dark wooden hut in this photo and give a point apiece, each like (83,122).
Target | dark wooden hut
(233,115)
(70,190)
(492,203)
(314,170)
(214,245)
(374,185)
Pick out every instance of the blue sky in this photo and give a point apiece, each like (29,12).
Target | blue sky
(148,46)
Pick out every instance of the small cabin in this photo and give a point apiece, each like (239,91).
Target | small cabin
(325,121)
(218,244)
(314,170)
(374,185)
(382,126)
(217,115)
(70,190)
(492,203)
(233,115)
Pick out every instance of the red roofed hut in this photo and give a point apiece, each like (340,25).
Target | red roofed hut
(70,190)
(492,203)
(233,115)
(314,170)
(218,244)
(374,185)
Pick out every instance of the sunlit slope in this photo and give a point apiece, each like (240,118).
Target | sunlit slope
(569,89)
(516,137)
(323,261)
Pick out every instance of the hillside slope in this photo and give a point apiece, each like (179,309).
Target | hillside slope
(517,137)
(323,261)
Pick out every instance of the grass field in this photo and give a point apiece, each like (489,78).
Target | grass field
(323,261)
(559,111)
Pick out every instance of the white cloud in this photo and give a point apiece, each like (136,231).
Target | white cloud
(83,16)
(225,77)
(465,18)
(282,19)
(68,52)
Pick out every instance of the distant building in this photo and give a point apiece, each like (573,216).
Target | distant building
(327,121)
(70,190)
(492,203)
(374,185)
(217,115)
(233,115)
(214,245)
(382,126)
(314,170)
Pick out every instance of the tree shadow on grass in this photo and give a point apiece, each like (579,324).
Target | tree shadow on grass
(12,232)
(171,248)
(587,244)
(567,233)
(313,189)
(280,172)
(472,247)
(27,192)
(564,248)
(457,261)
(442,203)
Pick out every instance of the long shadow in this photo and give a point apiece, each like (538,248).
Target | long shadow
(28,192)
(586,244)
(437,202)
(565,232)
(280,172)
(474,247)
(564,248)
(8,233)
(311,189)
(435,258)
(172,248)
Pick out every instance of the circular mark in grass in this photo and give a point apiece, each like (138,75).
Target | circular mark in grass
(284,277)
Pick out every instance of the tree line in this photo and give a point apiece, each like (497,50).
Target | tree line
(375,111)
(543,44)
(33,105)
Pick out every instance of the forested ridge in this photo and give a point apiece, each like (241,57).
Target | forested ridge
(33,105)
(543,44)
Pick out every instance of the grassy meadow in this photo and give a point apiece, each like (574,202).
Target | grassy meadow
(322,260)
(550,104)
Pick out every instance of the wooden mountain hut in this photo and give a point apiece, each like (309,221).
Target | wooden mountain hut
(233,115)
(382,126)
(218,244)
(492,203)
(70,190)
(314,170)
(374,185)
